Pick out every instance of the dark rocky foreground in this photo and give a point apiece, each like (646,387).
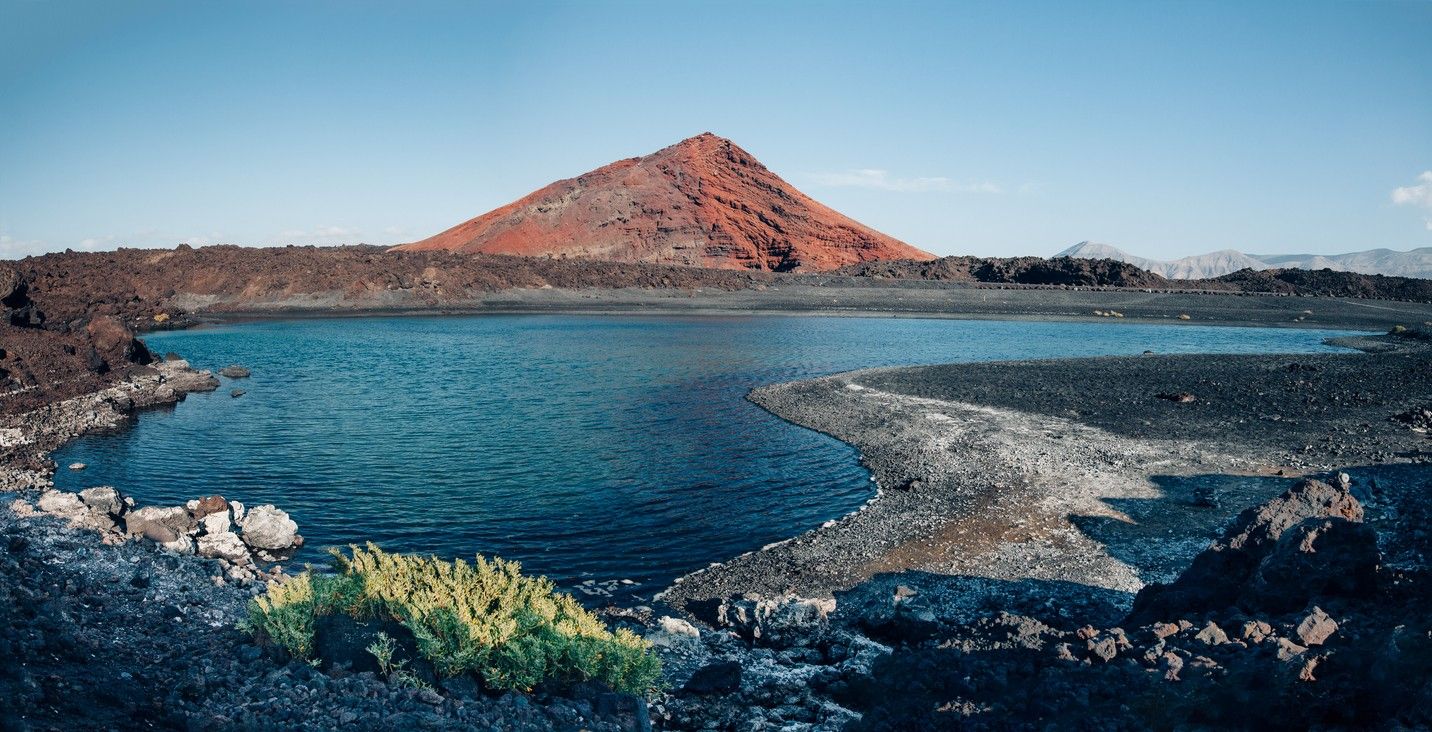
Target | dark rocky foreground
(1300,615)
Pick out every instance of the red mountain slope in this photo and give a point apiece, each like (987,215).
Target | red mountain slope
(702,202)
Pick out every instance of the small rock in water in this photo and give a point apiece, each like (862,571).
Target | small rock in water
(237,393)
(234,371)
(267,527)
(78,466)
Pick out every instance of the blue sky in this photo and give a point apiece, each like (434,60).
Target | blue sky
(981,128)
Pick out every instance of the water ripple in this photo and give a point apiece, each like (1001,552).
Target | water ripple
(581,446)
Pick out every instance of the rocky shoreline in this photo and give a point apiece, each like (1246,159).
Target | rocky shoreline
(1019,470)
(1013,540)
(125,617)
(1025,507)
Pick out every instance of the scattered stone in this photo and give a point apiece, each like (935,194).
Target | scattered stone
(1316,628)
(236,393)
(1104,649)
(1288,650)
(1181,397)
(234,371)
(1256,630)
(78,466)
(180,545)
(103,499)
(1164,630)
(677,626)
(1171,665)
(224,545)
(775,623)
(1212,634)
(158,533)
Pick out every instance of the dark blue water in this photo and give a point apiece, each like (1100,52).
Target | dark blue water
(587,447)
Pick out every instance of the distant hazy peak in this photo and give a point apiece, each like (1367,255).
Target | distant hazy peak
(1414,263)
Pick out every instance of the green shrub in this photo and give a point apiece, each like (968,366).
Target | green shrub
(486,618)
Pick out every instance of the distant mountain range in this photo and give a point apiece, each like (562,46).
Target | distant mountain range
(1414,263)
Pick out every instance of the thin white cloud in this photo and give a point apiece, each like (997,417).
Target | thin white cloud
(12,248)
(1417,194)
(881,180)
(95,243)
(331,234)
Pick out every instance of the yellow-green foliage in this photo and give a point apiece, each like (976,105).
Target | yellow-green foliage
(485,617)
(285,615)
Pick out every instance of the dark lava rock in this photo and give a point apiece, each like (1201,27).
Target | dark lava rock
(1181,397)
(1217,577)
(721,677)
(1418,419)
(1318,558)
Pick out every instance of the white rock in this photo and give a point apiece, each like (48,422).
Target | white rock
(60,503)
(216,523)
(237,509)
(182,545)
(677,626)
(78,466)
(103,499)
(224,545)
(674,633)
(12,437)
(266,527)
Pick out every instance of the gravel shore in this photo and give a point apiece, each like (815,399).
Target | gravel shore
(1074,470)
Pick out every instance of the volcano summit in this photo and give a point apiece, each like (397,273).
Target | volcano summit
(702,202)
